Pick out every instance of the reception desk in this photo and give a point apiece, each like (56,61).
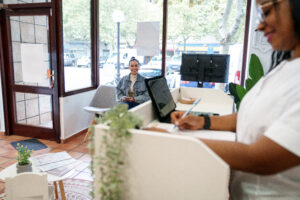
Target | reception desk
(172,167)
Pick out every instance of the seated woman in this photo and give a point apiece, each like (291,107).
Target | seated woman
(132,89)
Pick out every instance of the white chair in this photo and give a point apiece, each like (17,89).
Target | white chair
(28,186)
(104,99)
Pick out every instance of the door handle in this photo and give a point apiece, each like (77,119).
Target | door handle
(51,75)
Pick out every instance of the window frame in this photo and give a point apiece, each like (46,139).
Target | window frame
(95,45)
(94,49)
(246,37)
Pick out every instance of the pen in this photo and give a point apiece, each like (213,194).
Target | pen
(189,110)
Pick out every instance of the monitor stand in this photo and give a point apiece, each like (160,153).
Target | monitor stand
(200,84)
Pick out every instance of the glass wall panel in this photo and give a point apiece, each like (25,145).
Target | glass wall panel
(77,44)
(200,27)
(139,33)
(34,109)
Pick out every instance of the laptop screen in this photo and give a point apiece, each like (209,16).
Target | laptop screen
(161,97)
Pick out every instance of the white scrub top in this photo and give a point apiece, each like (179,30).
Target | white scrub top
(272,109)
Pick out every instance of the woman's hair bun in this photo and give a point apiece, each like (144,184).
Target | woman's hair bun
(134,59)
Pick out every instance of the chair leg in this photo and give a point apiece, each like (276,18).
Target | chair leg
(55,190)
(87,135)
(62,190)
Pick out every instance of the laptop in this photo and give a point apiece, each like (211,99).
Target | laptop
(162,99)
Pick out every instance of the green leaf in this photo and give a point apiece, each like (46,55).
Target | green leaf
(232,90)
(240,91)
(238,105)
(249,84)
(256,70)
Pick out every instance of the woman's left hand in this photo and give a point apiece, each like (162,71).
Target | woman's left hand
(131,99)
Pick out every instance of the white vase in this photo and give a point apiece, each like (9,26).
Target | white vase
(24,168)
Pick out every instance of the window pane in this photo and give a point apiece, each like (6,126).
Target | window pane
(133,16)
(29,35)
(77,44)
(34,109)
(194,28)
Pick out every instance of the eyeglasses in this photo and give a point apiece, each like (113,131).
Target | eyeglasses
(265,8)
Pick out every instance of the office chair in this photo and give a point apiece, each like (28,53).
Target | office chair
(104,99)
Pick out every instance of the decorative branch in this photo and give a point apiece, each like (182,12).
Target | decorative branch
(226,37)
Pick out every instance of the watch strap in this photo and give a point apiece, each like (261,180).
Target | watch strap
(206,121)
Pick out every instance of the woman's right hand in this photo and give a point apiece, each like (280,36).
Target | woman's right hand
(189,122)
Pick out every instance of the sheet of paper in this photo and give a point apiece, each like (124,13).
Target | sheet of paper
(51,166)
(50,158)
(202,134)
(61,171)
(166,126)
(147,38)
(34,69)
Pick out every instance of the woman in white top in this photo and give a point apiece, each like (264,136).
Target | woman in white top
(266,156)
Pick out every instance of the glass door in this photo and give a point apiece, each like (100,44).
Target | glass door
(30,71)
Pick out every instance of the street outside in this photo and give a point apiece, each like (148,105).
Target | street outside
(77,78)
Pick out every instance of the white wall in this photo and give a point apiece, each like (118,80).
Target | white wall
(257,43)
(73,118)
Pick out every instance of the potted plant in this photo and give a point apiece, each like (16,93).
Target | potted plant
(24,164)
(112,157)
(256,71)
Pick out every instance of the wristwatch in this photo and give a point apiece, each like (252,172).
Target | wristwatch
(206,121)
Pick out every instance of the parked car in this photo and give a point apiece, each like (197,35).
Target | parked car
(84,62)
(149,72)
(174,63)
(70,59)
(125,55)
(155,62)
(102,61)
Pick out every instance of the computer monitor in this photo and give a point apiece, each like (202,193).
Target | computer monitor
(161,97)
(205,67)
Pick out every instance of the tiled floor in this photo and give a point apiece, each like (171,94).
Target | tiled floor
(75,148)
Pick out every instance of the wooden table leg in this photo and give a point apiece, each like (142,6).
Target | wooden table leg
(55,190)
(62,190)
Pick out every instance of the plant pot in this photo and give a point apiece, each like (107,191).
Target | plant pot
(24,168)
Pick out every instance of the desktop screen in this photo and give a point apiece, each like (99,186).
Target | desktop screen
(205,67)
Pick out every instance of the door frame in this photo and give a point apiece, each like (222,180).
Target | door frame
(3,78)
(7,73)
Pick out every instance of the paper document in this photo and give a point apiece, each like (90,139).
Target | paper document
(50,158)
(166,126)
(202,134)
(61,171)
(54,165)
(57,164)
